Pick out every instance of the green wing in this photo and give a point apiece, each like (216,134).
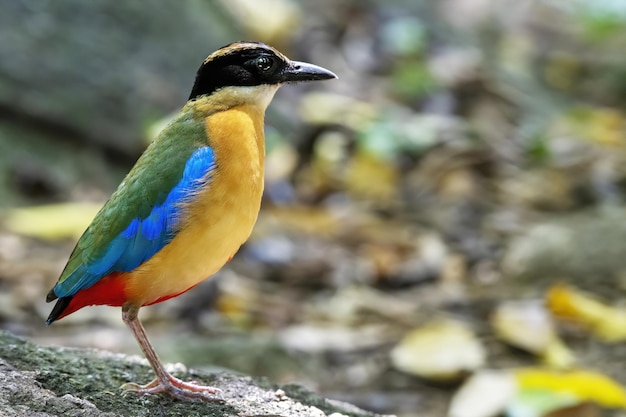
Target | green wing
(142,215)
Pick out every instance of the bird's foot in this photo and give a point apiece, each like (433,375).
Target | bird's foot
(176,388)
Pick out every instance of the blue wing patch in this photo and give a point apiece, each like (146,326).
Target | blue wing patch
(143,238)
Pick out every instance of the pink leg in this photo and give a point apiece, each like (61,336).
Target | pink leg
(164,381)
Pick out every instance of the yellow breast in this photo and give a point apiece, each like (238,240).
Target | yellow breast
(221,217)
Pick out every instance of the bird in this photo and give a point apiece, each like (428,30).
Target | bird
(187,205)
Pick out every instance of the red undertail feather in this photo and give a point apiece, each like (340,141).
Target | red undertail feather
(108,291)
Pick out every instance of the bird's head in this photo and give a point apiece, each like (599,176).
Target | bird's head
(250,72)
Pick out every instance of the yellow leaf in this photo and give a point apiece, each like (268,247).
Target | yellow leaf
(52,222)
(528,325)
(370,177)
(603,126)
(607,127)
(585,385)
(607,323)
(234,309)
(558,355)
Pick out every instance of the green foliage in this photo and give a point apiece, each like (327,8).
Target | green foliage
(602,19)
(412,80)
(538,150)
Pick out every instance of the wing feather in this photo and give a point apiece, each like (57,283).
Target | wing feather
(144,214)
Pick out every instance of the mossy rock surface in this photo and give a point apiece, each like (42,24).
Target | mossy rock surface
(39,381)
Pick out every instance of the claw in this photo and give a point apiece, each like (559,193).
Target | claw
(176,388)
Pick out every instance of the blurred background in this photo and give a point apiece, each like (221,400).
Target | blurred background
(443,230)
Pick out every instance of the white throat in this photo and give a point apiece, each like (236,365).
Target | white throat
(258,95)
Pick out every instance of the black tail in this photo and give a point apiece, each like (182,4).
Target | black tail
(51,296)
(59,307)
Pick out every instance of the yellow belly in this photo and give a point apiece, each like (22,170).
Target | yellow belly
(220,218)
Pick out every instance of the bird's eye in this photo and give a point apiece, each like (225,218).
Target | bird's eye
(265,63)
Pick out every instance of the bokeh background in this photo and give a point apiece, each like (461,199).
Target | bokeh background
(451,206)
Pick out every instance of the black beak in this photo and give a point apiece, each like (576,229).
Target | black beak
(302,71)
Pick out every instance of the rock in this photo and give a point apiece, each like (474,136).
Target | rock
(38,381)
(81,81)
(586,248)
(101,70)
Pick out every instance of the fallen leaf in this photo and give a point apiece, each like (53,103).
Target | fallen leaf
(52,222)
(581,384)
(607,323)
(320,338)
(443,350)
(528,325)
(538,402)
(485,394)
